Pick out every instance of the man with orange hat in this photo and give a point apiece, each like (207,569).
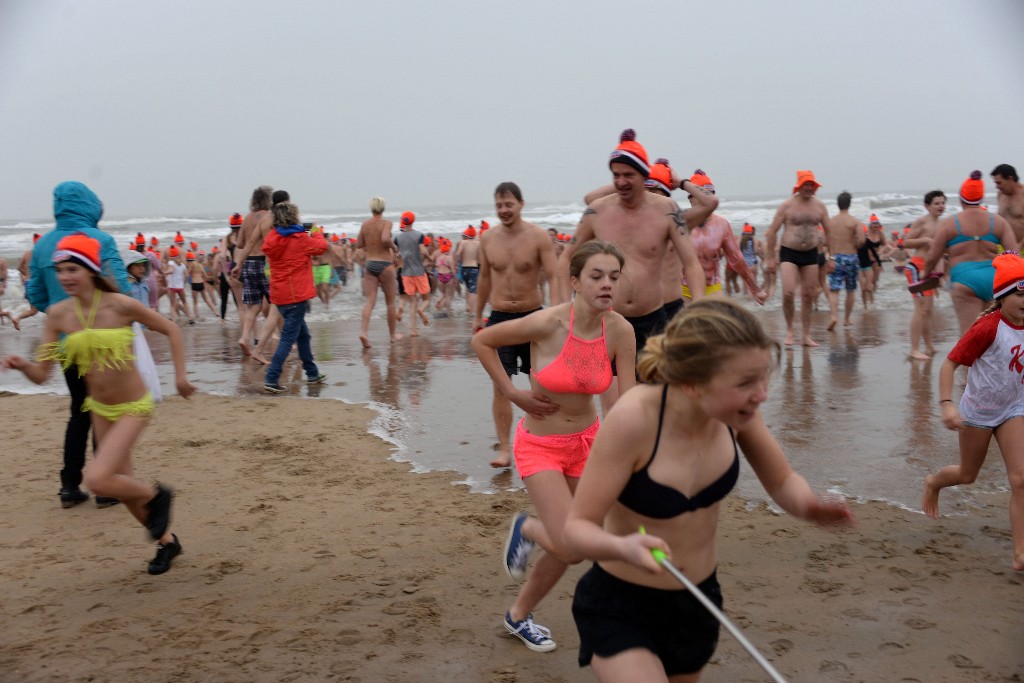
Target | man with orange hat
(412,248)
(642,225)
(467,257)
(76,209)
(712,238)
(1011,199)
(512,255)
(798,252)
(919,238)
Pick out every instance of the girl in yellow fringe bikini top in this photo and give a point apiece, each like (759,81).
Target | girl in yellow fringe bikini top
(94,350)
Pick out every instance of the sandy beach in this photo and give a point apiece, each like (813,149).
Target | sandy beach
(311,556)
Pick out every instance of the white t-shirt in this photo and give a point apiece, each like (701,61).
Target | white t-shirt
(993,348)
(176,278)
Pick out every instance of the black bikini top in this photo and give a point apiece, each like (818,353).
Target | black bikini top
(647,497)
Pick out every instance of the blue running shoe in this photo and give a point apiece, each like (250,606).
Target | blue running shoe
(517,548)
(535,637)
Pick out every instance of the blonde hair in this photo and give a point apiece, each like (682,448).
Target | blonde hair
(698,340)
(285,213)
(377,206)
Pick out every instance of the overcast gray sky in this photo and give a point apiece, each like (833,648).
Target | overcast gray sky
(183,107)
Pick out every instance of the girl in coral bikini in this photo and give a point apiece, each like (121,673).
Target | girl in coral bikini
(91,330)
(575,345)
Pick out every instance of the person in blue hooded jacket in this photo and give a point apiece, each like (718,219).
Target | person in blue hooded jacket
(76,208)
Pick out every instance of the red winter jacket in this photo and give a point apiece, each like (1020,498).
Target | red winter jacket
(288,249)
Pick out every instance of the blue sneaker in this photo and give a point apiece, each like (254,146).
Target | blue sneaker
(517,548)
(535,637)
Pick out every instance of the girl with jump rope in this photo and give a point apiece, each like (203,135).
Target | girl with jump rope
(92,331)
(574,345)
(993,400)
(666,456)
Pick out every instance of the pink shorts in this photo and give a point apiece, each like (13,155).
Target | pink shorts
(565,453)
(415,284)
(175,290)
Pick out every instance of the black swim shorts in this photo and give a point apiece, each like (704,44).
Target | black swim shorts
(513,358)
(613,616)
(808,257)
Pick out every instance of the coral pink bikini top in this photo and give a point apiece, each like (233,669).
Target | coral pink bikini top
(581,367)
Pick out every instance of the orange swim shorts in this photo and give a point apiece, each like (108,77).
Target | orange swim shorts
(913,272)
(415,284)
(565,453)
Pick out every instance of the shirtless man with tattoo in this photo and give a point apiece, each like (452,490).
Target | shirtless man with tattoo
(642,224)
(511,256)
(1011,199)
(798,253)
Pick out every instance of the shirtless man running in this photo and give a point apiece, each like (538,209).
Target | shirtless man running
(801,214)
(511,255)
(467,256)
(642,224)
(250,262)
(378,249)
(846,238)
(1011,199)
(919,241)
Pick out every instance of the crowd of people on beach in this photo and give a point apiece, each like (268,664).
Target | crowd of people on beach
(646,370)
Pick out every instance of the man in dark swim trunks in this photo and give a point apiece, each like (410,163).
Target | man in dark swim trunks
(642,224)
(467,255)
(511,256)
(375,240)
(801,214)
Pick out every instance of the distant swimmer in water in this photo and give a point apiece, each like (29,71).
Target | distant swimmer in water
(573,345)
(919,241)
(971,238)
(798,253)
(378,248)
(993,400)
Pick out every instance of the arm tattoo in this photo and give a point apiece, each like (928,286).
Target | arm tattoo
(678,216)
(589,212)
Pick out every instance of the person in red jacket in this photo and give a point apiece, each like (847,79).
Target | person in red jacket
(288,248)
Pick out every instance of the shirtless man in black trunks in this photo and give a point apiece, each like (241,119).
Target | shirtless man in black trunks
(379,252)
(1011,199)
(801,214)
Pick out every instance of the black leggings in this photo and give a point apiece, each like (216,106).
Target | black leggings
(224,289)
(76,436)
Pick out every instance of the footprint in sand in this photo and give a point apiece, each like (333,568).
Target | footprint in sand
(781,646)
(832,666)
(962,662)
(919,624)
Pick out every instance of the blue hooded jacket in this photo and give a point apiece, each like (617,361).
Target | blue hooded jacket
(76,209)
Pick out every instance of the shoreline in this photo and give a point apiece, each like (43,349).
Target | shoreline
(321,558)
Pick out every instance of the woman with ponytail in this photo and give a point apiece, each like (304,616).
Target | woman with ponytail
(665,457)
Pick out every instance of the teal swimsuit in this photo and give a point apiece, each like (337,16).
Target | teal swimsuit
(976,275)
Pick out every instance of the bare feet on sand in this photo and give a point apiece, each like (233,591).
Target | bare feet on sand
(832,324)
(810,342)
(790,339)
(503,458)
(364,341)
(930,499)
(423,317)
(917,355)
(244,345)
(397,337)
(260,358)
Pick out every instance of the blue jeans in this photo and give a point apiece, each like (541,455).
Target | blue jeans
(294,330)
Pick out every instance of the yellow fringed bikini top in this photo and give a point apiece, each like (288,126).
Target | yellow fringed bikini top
(89,348)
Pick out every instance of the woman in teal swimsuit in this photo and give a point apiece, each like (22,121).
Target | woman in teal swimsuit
(972,239)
